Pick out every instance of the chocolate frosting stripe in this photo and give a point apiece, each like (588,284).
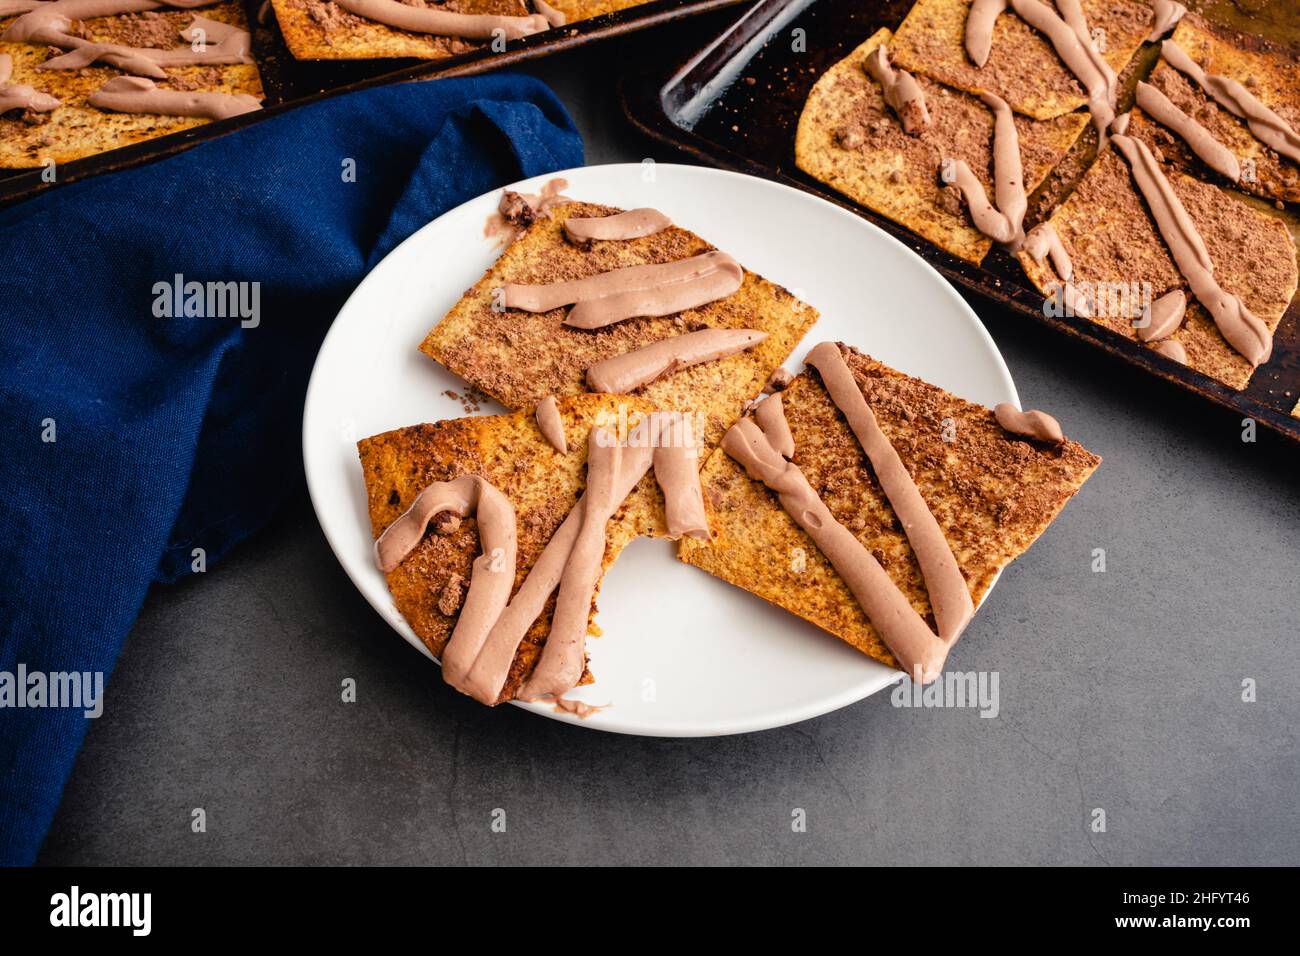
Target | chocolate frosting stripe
(548,418)
(770,415)
(20,96)
(1069,36)
(1004,224)
(949,595)
(633,224)
(1242,330)
(1269,128)
(902,93)
(563,656)
(1043,242)
(677,470)
(1202,142)
(488,675)
(136,94)
(467,26)
(1166,316)
(1172,348)
(1165,16)
(631,370)
(919,652)
(648,290)
(232,46)
(979,28)
(493,572)
(1034,424)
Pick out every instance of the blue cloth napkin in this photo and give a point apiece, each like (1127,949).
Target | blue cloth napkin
(128,440)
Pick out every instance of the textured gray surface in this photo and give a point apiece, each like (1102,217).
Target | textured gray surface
(1119,690)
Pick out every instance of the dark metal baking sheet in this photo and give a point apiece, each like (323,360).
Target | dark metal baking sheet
(735,103)
(289,83)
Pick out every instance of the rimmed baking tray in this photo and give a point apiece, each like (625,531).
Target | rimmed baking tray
(735,103)
(289,83)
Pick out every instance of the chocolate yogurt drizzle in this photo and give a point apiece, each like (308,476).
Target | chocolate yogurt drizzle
(1267,127)
(759,450)
(631,370)
(1069,36)
(1238,325)
(1032,424)
(21,96)
(1005,222)
(548,418)
(647,290)
(632,224)
(467,26)
(52,23)
(138,94)
(487,635)
(1165,15)
(902,93)
(1201,141)
(1043,243)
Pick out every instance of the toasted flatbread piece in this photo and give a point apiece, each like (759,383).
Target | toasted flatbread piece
(321,30)
(1022,67)
(1114,245)
(896,174)
(992,495)
(519,357)
(1271,72)
(543,485)
(75,129)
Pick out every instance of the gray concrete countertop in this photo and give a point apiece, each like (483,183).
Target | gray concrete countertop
(1120,691)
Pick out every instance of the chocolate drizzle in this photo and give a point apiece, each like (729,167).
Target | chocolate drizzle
(632,224)
(919,651)
(1005,223)
(901,91)
(1242,330)
(631,370)
(138,94)
(1269,128)
(1069,35)
(467,26)
(649,290)
(20,96)
(1202,142)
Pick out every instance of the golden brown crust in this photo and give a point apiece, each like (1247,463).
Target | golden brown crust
(519,358)
(897,174)
(1022,67)
(1269,71)
(543,485)
(1112,240)
(574,10)
(76,129)
(992,495)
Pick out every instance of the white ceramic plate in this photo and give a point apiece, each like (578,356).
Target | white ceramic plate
(683,654)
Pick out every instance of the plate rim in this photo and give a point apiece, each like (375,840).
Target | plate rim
(770,720)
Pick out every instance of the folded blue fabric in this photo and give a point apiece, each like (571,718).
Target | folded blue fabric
(129,440)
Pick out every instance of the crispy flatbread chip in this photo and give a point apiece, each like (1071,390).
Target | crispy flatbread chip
(1272,74)
(897,174)
(992,495)
(519,358)
(1022,67)
(320,30)
(76,129)
(1115,247)
(543,485)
